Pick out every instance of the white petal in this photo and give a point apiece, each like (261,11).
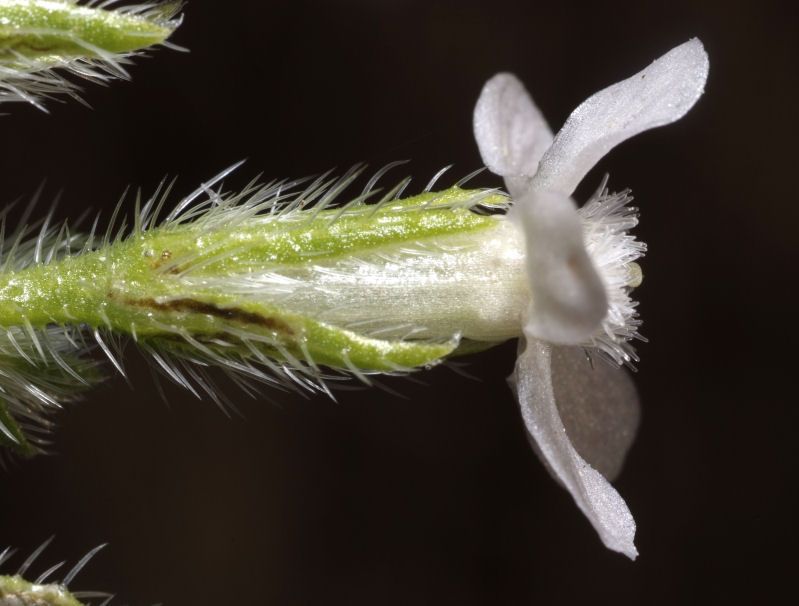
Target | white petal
(600,411)
(595,497)
(658,95)
(511,133)
(568,298)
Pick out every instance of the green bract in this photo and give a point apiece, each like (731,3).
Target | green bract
(138,286)
(224,282)
(41,40)
(60,30)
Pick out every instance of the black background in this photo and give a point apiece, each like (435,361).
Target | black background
(436,497)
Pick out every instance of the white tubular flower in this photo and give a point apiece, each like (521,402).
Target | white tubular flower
(579,296)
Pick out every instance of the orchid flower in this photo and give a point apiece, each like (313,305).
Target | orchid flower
(578,302)
(283,284)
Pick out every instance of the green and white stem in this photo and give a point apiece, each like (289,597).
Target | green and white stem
(42,42)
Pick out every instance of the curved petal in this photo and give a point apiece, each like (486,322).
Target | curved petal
(658,95)
(595,497)
(568,298)
(510,130)
(600,411)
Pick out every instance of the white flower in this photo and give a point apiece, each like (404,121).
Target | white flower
(576,303)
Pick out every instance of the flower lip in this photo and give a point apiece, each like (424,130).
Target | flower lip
(569,299)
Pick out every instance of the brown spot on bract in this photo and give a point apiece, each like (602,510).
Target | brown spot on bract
(233,314)
(165,256)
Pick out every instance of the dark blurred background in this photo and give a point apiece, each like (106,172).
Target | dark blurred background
(435,497)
